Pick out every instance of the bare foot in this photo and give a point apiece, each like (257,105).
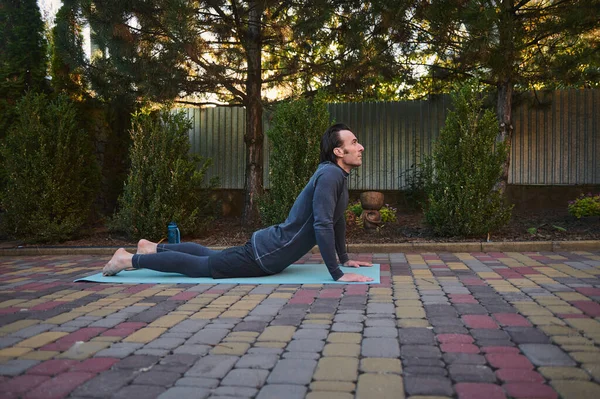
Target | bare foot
(145,247)
(121,260)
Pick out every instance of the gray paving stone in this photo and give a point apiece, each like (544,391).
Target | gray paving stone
(256,361)
(380,332)
(9,341)
(185,392)
(32,331)
(471,373)
(488,333)
(301,355)
(108,322)
(189,326)
(265,351)
(305,345)
(422,362)
(252,325)
(252,378)
(208,336)
(464,358)
(424,371)
(445,321)
(160,378)
(450,330)
(420,351)
(527,335)
(193,349)
(380,322)
(349,318)
(152,352)
(433,385)
(347,327)
(414,335)
(292,371)
(164,343)
(380,347)
(234,392)
(279,391)
(212,366)
(312,334)
(139,391)
(198,382)
(378,308)
(16,366)
(105,384)
(119,350)
(546,355)
(180,335)
(136,362)
(179,363)
(440,310)
(65,329)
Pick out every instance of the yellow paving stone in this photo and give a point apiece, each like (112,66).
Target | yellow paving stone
(225,300)
(344,338)
(101,312)
(586,325)
(110,290)
(558,330)
(230,348)
(277,334)
(379,386)
(550,272)
(16,326)
(380,291)
(41,340)
(342,350)
(572,340)
(167,321)
(576,389)
(206,314)
(336,369)
(244,305)
(381,365)
(563,309)
(11,302)
(328,395)
(15,351)
(84,350)
(546,321)
(556,257)
(534,311)
(271,344)
(406,295)
(563,373)
(15,280)
(457,266)
(586,357)
(580,348)
(145,335)
(243,335)
(39,355)
(190,307)
(551,300)
(72,270)
(170,292)
(402,278)
(593,369)
(406,323)
(488,275)
(507,289)
(79,295)
(333,386)
(410,312)
(422,273)
(409,303)
(281,295)
(63,318)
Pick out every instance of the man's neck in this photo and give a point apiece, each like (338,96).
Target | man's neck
(344,167)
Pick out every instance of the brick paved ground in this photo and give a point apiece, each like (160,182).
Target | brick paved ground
(464,325)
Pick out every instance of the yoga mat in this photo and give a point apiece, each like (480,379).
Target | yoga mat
(295,274)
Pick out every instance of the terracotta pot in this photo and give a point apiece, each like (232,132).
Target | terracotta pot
(371,200)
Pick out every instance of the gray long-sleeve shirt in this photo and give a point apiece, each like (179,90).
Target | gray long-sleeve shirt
(317,217)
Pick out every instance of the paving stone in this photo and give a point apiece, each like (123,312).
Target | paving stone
(212,366)
(480,334)
(52,367)
(120,350)
(292,371)
(519,375)
(379,385)
(347,327)
(380,347)
(422,351)
(576,389)
(305,345)
(332,387)
(381,365)
(278,391)
(136,362)
(305,333)
(16,366)
(418,361)
(198,350)
(469,390)
(563,373)
(21,384)
(527,335)
(530,390)
(164,343)
(336,369)
(424,371)
(59,386)
(139,391)
(464,358)
(431,385)
(416,336)
(198,382)
(178,363)
(257,361)
(546,355)
(301,355)
(185,392)
(159,378)
(231,392)
(471,373)
(105,384)
(241,377)
(189,326)
(32,331)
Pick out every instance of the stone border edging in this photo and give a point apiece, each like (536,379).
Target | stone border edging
(507,246)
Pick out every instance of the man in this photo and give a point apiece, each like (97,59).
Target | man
(317,217)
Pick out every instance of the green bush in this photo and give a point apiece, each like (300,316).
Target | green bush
(165,182)
(464,169)
(294,138)
(51,171)
(585,205)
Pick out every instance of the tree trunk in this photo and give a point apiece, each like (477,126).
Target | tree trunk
(504,112)
(254,129)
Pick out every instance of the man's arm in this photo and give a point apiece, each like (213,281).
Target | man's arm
(340,240)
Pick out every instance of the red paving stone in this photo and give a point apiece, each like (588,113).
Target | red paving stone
(52,367)
(454,338)
(519,375)
(511,319)
(459,348)
(119,332)
(471,390)
(588,307)
(59,386)
(588,291)
(305,300)
(331,293)
(95,365)
(530,390)
(184,296)
(508,361)
(22,383)
(462,298)
(83,335)
(473,281)
(479,321)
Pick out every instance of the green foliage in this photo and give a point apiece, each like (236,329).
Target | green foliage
(51,171)
(464,169)
(414,186)
(388,214)
(294,137)
(165,182)
(354,212)
(585,205)
(355,208)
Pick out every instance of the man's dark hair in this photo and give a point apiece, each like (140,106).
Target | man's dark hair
(331,140)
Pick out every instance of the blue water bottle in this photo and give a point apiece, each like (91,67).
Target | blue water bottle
(173,233)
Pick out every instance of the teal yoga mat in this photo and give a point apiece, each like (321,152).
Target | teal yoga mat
(295,274)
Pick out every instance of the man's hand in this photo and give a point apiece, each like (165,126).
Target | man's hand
(357,263)
(354,278)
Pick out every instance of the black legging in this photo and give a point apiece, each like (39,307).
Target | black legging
(187,258)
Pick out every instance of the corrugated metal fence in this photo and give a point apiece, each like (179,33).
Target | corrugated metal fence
(556,139)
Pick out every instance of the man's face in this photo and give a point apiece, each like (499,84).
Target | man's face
(349,154)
